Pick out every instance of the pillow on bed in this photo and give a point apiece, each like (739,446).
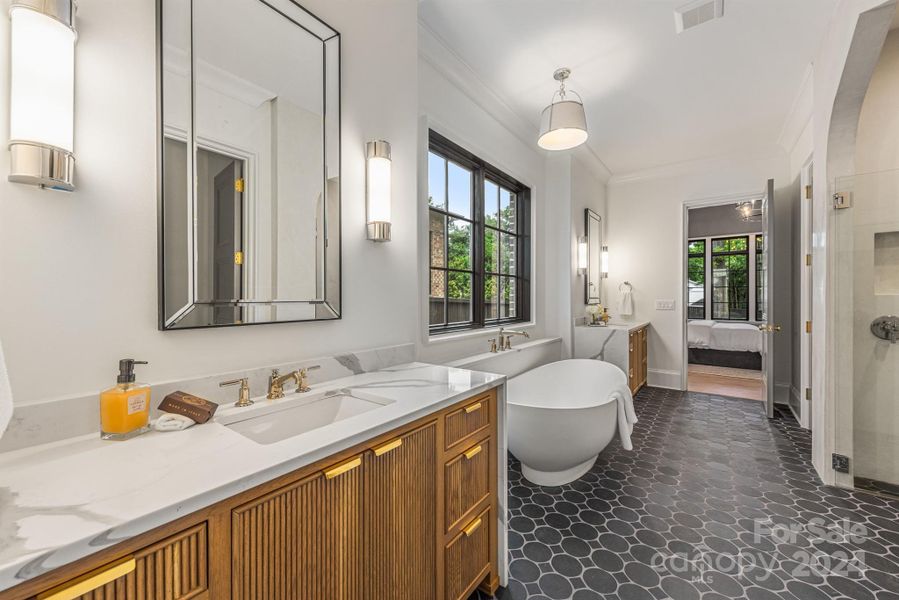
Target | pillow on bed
(699,333)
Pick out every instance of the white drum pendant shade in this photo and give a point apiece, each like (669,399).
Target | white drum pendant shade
(563,126)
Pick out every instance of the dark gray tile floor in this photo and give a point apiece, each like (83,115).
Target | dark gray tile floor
(715,502)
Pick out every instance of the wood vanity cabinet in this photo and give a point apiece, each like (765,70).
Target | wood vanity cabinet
(638,361)
(410,514)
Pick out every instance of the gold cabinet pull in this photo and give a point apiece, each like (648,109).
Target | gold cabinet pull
(388,447)
(472,528)
(89,582)
(344,468)
(473,452)
(472,408)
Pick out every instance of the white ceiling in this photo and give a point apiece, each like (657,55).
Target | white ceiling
(653,97)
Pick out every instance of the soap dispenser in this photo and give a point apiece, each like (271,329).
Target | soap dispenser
(125,408)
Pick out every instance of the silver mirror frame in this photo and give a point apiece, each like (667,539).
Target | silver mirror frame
(329,307)
(592,217)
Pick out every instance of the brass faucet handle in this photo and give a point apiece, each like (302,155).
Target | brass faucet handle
(303,378)
(244,397)
(493,347)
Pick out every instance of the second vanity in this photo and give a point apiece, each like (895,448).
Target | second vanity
(392,495)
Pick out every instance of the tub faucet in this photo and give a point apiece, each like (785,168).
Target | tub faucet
(505,337)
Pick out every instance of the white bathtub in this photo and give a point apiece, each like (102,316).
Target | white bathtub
(561,416)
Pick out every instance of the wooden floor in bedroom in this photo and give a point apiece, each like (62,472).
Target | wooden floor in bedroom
(736,383)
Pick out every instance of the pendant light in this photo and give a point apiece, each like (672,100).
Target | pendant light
(564,123)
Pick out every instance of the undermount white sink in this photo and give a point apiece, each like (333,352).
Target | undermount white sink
(289,418)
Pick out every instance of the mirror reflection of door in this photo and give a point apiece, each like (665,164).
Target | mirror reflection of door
(227,239)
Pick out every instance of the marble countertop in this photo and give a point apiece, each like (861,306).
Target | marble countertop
(619,325)
(62,501)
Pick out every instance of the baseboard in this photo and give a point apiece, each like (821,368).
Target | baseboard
(782,393)
(661,378)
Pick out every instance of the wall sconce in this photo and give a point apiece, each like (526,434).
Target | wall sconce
(604,262)
(377,190)
(582,255)
(42,93)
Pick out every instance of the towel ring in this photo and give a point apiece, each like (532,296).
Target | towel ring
(629,288)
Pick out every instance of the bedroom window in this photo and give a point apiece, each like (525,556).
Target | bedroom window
(761,284)
(696,279)
(730,278)
(479,250)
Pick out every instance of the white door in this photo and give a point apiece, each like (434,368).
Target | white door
(768,326)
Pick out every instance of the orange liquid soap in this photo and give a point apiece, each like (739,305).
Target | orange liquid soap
(125,408)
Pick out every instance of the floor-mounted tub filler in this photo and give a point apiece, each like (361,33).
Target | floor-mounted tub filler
(563,414)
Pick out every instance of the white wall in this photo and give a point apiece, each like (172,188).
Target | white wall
(453,113)
(78,271)
(587,191)
(645,234)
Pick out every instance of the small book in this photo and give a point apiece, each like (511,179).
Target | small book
(182,403)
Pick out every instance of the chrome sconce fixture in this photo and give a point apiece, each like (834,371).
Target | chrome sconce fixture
(604,262)
(563,124)
(377,190)
(582,255)
(42,93)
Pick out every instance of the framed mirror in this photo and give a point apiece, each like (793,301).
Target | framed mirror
(593,280)
(249,164)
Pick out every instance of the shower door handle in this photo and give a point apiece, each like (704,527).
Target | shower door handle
(886,328)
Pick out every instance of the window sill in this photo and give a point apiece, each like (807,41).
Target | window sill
(475,333)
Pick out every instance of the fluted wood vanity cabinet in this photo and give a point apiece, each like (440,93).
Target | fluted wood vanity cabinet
(638,362)
(410,514)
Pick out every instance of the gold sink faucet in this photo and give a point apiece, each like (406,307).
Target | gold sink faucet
(276,382)
(505,337)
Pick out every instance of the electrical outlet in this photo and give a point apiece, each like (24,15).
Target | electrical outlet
(664,304)
(840,463)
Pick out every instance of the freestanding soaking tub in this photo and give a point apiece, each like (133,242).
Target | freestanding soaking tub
(561,416)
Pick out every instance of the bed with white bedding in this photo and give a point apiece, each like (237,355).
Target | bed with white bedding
(726,344)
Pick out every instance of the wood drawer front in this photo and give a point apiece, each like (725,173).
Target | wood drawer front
(471,418)
(174,569)
(467,558)
(466,482)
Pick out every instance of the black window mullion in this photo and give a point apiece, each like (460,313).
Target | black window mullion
(479,241)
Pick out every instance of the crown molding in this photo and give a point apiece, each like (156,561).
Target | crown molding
(800,113)
(433,50)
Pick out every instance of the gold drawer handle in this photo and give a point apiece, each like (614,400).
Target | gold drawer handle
(388,447)
(89,583)
(472,408)
(472,528)
(473,452)
(344,468)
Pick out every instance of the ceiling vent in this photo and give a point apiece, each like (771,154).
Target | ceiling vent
(696,13)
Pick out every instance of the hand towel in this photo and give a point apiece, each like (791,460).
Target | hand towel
(626,303)
(627,416)
(173,422)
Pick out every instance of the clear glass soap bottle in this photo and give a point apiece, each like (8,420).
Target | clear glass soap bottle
(125,408)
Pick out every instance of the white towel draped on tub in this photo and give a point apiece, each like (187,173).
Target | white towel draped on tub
(627,416)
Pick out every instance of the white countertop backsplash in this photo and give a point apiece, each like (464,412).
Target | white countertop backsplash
(67,499)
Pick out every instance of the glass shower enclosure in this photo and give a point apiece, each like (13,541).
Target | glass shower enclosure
(866,298)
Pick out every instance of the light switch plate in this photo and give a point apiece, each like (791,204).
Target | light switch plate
(664,304)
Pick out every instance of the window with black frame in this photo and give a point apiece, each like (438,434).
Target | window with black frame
(478,243)
(730,278)
(696,279)
(761,280)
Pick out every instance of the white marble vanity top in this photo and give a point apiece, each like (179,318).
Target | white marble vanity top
(619,325)
(62,501)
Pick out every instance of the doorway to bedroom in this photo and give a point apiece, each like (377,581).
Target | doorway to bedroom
(726,299)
